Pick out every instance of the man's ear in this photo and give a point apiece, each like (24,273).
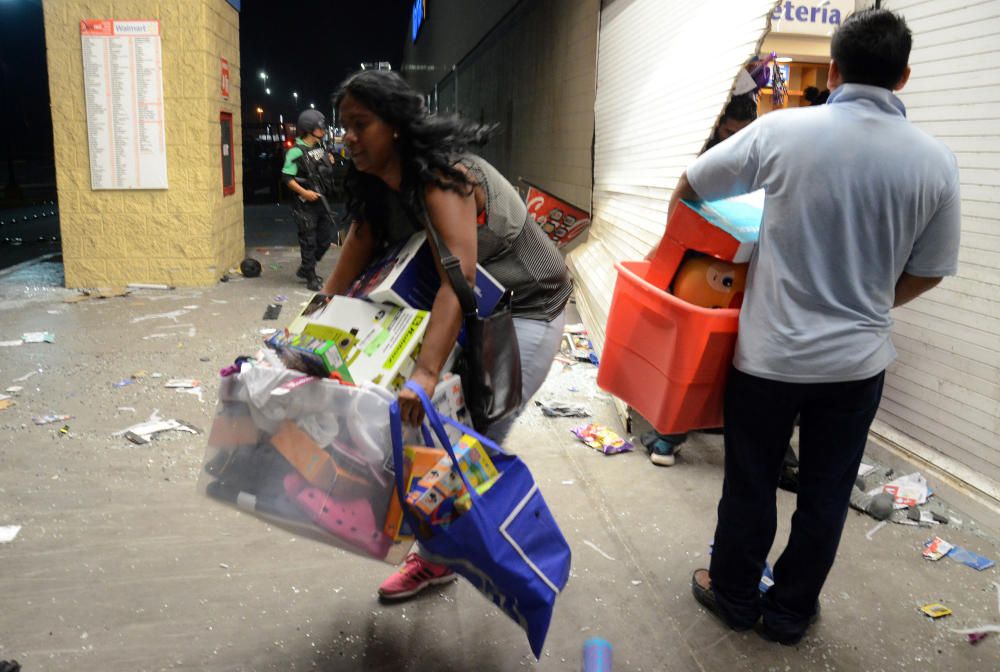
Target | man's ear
(833,77)
(902,80)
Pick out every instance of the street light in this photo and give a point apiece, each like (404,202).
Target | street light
(295,95)
(267,91)
(260,114)
(312,106)
(263,75)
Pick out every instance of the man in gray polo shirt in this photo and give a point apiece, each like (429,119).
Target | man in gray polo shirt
(861,215)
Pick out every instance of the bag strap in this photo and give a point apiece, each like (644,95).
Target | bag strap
(451,264)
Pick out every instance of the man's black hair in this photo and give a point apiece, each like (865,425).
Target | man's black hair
(872,46)
(741,108)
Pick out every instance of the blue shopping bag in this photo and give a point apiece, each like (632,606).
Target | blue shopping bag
(507,545)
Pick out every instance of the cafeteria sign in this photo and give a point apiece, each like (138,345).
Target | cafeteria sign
(810,18)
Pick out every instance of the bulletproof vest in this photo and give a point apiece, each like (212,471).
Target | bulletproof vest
(315,165)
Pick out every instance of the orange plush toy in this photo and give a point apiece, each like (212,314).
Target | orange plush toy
(710,283)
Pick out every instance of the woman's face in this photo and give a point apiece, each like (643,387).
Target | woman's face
(367,136)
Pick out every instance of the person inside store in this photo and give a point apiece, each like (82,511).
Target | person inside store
(814,96)
(407,162)
(838,249)
(309,173)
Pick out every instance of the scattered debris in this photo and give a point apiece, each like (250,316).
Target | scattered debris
(181,383)
(125,409)
(936,548)
(143,432)
(13,389)
(935,610)
(11,344)
(8,533)
(106,293)
(272,311)
(594,546)
(64,430)
(601,438)
(267,331)
(123,382)
(280,298)
(563,409)
(38,337)
(26,376)
(49,419)
(579,347)
(879,506)
(871,533)
(568,482)
(909,490)
(148,285)
(977,633)
(970,559)
(6,403)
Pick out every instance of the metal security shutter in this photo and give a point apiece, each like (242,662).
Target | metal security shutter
(665,70)
(942,396)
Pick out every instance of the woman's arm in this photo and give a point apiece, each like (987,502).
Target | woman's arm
(453,217)
(355,255)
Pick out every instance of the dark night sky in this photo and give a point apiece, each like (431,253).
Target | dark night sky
(307,46)
(310,46)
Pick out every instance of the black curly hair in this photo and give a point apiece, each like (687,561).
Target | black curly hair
(429,146)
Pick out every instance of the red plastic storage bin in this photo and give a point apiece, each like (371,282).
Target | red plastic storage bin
(666,358)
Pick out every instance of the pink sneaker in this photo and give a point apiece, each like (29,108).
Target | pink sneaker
(415,575)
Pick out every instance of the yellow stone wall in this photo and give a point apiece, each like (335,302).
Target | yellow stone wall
(188,234)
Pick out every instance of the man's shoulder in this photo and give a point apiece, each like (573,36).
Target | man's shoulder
(294,152)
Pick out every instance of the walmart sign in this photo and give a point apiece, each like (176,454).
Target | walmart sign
(810,17)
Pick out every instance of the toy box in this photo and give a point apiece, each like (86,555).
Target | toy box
(418,460)
(432,498)
(309,354)
(376,341)
(406,276)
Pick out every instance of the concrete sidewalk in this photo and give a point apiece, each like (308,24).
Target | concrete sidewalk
(121,566)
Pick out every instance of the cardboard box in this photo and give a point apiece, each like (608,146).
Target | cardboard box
(432,498)
(726,229)
(317,355)
(378,342)
(406,276)
(315,305)
(417,461)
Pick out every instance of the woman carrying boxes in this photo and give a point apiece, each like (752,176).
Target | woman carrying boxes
(403,159)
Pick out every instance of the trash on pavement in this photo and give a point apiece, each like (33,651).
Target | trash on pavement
(594,546)
(879,507)
(272,311)
(144,432)
(871,533)
(6,403)
(909,490)
(563,409)
(977,633)
(123,382)
(936,548)
(148,285)
(935,610)
(601,438)
(597,655)
(970,559)
(181,383)
(49,419)
(39,337)
(11,344)
(26,376)
(267,331)
(106,293)
(14,389)
(8,533)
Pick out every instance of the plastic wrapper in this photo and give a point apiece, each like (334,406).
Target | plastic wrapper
(601,438)
(312,455)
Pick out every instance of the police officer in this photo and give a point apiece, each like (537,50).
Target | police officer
(308,173)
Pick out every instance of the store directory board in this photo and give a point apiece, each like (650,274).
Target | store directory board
(123,89)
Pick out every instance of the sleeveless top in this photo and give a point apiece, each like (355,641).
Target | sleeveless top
(511,247)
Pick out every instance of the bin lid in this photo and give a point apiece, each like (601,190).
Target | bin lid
(738,216)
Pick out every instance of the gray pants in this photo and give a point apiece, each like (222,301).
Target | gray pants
(538,342)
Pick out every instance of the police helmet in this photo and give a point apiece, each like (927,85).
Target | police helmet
(310,120)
